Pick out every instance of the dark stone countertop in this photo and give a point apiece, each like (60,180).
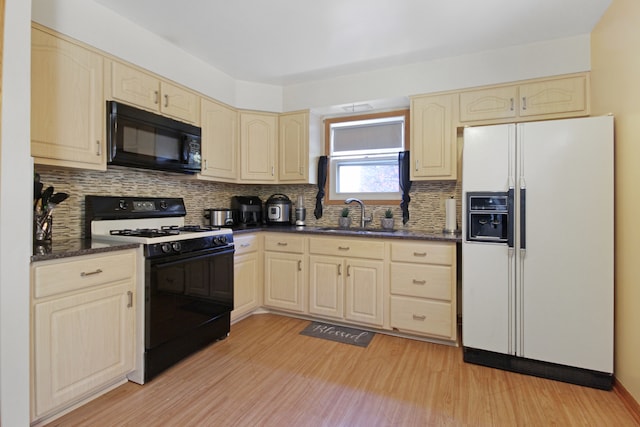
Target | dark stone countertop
(65,248)
(357,232)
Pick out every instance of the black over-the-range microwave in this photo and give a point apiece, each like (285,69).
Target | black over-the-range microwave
(141,139)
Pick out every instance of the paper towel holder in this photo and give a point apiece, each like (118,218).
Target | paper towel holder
(451,222)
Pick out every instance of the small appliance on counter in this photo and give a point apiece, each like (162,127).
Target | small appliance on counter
(301,212)
(220,217)
(248,210)
(278,210)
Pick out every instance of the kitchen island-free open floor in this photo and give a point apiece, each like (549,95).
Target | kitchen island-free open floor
(267,374)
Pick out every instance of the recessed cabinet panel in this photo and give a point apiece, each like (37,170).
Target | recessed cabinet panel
(293,149)
(67,108)
(489,104)
(219,141)
(433,141)
(258,146)
(566,95)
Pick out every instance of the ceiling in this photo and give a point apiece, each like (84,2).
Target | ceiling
(285,42)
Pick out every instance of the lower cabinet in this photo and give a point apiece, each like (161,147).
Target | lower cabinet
(423,289)
(344,287)
(285,272)
(247,289)
(82,327)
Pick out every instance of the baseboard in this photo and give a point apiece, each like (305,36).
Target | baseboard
(627,399)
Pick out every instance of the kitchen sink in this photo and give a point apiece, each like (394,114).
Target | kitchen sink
(357,230)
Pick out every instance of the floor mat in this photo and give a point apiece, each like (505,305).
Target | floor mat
(340,334)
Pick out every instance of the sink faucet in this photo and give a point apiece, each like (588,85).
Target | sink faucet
(363,218)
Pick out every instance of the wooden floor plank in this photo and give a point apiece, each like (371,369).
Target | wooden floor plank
(267,374)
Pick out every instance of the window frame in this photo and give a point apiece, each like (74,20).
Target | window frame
(331,166)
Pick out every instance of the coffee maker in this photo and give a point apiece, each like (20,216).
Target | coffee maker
(248,209)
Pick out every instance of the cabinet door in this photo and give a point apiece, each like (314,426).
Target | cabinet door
(284,281)
(293,150)
(219,141)
(67,111)
(433,138)
(134,87)
(557,97)
(326,286)
(179,103)
(364,291)
(81,342)
(246,280)
(489,104)
(258,139)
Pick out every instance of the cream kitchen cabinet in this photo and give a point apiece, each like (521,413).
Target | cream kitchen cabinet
(67,108)
(82,327)
(346,279)
(258,147)
(220,144)
(134,86)
(293,148)
(558,97)
(285,272)
(433,143)
(247,282)
(423,289)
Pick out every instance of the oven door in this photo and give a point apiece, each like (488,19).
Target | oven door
(184,292)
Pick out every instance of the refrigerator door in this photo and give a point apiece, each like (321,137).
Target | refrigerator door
(488,164)
(565,275)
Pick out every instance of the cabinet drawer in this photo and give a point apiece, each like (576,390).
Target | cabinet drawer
(422,316)
(359,248)
(423,253)
(82,272)
(284,243)
(424,281)
(246,243)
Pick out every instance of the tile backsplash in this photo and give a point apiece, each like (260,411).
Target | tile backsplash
(426,209)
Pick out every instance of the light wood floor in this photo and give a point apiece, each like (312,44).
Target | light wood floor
(266,374)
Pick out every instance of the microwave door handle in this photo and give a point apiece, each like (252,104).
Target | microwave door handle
(113,137)
(185,149)
(510,218)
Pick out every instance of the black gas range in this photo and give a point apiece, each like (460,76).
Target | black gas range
(188,273)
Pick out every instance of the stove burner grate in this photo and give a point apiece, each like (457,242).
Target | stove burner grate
(146,232)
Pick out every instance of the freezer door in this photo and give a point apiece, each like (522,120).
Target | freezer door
(488,165)
(565,274)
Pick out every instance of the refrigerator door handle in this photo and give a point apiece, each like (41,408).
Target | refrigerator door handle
(511,218)
(523,218)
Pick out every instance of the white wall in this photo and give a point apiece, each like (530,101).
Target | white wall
(562,56)
(16,189)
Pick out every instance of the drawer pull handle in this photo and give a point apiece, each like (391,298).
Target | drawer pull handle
(166,100)
(348,271)
(419,282)
(420,317)
(245,245)
(420,254)
(130,299)
(299,265)
(339,269)
(282,243)
(343,248)
(91,273)
(157,97)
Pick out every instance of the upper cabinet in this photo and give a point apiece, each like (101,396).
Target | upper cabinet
(67,108)
(258,147)
(558,97)
(433,138)
(136,87)
(219,142)
(293,147)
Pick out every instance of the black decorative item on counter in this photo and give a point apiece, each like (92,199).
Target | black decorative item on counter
(44,202)
(404,164)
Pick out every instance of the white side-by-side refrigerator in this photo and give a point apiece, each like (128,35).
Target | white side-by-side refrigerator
(537,248)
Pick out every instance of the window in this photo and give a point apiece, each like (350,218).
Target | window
(363,156)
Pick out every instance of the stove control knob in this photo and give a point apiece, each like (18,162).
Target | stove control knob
(163,204)
(165,247)
(176,246)
(123,205)
(222,240)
